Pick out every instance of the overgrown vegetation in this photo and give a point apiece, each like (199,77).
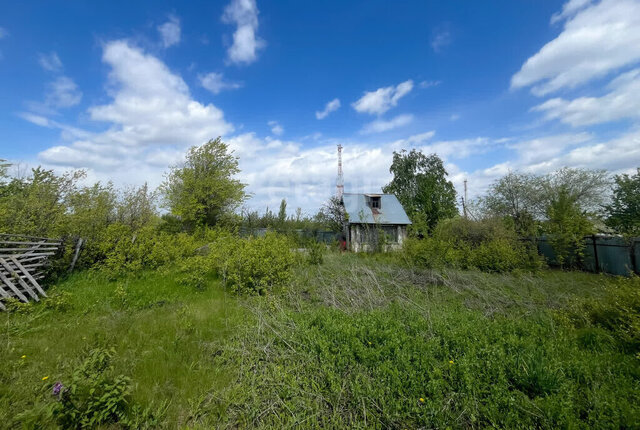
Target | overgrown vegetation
(359,341)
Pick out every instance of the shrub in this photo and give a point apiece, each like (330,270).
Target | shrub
(255,265)
(488,245)
(94,396)
(316,250)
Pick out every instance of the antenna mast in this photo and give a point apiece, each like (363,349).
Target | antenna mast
(340,180)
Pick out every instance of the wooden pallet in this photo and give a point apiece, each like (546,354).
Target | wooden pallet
(22,263)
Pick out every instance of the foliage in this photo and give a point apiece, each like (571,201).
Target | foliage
(332,215)
(618,314)
(488,245)
(34,205)
(257,265)
(202,191)
(420,184)
(356,342)
(567,225)
(623,213)
(514,196)
(315,252)
(93,396)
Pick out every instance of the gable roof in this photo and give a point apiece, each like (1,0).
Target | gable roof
(359,212)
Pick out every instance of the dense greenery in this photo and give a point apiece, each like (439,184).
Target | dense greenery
(203,191)
(624,210)
(358,342)
(420,183)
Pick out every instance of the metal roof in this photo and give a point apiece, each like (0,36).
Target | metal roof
(390,211)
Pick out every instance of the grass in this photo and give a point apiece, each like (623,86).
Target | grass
(358,342)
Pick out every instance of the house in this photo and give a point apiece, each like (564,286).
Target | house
(374,221)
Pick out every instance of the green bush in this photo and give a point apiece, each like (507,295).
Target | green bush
(255,265)
(94,396)
(487,245)
(315,252)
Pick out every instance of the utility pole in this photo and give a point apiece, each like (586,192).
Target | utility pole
(464,200)
(340,180)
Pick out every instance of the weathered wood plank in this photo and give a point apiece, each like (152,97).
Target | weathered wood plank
(26,272)
(16,275)
(13,288)
(3,293)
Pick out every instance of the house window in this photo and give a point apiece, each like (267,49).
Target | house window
(374,202)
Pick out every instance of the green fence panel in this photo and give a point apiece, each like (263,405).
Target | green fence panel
(614,256)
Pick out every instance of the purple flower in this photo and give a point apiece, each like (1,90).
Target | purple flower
(57,388)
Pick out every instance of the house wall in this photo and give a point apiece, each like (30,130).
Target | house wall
(361,238)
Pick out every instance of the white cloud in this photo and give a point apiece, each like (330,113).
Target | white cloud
(331,106)
(215,83)
(622,101)
(170,32)
(569,9)
(246,44)
(151,116)
(429,84)
(3,32)
(276,128)
(382,99)
(597,40)
(454,117)
(63,93)
(380,125)
(50,62)
(441,37)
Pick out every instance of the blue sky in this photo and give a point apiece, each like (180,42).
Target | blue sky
(122,90)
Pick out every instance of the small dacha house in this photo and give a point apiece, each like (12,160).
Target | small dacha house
(374,222)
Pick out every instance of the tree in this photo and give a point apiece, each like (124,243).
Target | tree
(420,184)
(202,190)
(567,225)
(623,213)
(282,213)
(514,196)
(332,215)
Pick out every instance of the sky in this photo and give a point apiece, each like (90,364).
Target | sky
(123,89)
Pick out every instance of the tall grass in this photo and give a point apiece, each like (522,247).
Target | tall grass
(355,342)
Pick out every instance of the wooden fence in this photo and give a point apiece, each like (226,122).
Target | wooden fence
(23,260)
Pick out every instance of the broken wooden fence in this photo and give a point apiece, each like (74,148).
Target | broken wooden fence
(22,263)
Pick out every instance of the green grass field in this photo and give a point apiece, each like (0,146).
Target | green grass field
(358,342)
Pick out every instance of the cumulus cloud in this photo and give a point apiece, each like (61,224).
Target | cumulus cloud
(63,93)
(276,128)
(246,43)
(569,9)
(622,101)
(331,106)
(215,83)
(151,114)
(596,40)
(170,32)
(382,99)
(50,62)
(381,125)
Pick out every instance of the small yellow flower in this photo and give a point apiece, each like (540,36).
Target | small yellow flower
(421,400)
(369,343)
(44,378)
(450,361)
(23,357)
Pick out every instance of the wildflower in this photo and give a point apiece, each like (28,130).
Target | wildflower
(450,361)
(421,400)
(369,343)
(57,388)
(23,357)
(44,378)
